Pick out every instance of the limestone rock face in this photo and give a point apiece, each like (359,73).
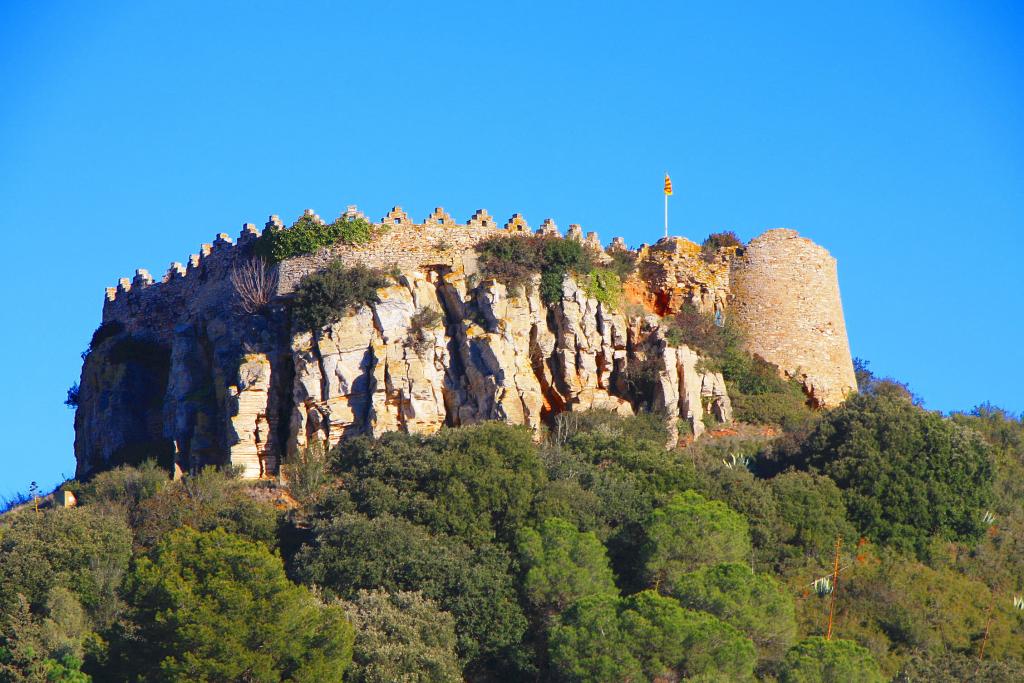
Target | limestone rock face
(186,371)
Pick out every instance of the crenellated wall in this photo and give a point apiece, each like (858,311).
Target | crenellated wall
(184,373)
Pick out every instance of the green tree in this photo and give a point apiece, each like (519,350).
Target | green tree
(689,532)
(34,650)
(756,604)
(205,501)
(816,660)
(75,548)
(401,637)
(646,637)
(562,565)
(474,583)
(906,473)
(211,606)
(477,482)
(812,512)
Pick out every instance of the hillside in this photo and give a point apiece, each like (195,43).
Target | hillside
(430,452)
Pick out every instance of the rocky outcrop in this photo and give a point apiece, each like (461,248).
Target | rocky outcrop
(180,370)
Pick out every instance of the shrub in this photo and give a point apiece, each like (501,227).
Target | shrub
(213,606)
(350,552)
(102,333)
(787,408)
(513,260)
(816,660)
(205,501)
(646,637)
(906,473)
(719,240)
(422,320)
(72,400)
(401,636)
(623,263)
(690,532)
(477,482)
(604,285)
(690,327)
(562,565)
(254,282)
(64,547)
(325,297)
(755,604)
(307,235)
(812,512)
(307,473)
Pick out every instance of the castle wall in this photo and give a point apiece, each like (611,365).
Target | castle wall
(785,292)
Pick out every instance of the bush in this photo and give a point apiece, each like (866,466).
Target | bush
(205,501)
(325,297)
(623,263)
(690,532)
(63,547)
(307,472)
(719,240)
(690,327)
(352,552)
(513,260)
(213,606)
(604,285)
(476,482)
(562,565)
(646,637)
(125,486)
(816,660)
(424,319)
(307,235)
(812,512)
(755,604)
(906,473)
(401,636)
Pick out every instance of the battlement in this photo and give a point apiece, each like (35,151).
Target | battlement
(438,240)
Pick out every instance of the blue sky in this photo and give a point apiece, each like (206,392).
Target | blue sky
(891,133)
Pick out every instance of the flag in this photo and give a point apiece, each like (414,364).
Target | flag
(668,185)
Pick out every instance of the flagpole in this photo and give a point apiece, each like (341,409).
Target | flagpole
(666,215)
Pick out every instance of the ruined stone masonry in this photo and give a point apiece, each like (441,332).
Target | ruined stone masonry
(179,371)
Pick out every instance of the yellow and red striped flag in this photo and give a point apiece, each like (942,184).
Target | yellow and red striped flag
(668,185)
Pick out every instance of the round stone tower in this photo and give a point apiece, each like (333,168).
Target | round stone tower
(786,300)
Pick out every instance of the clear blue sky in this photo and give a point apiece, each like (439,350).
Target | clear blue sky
(891,133)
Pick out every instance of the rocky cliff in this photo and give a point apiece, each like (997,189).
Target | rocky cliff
(180,371)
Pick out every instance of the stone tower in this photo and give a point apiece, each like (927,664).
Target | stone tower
(786,299)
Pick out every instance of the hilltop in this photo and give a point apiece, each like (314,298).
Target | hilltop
(379,452)
(460,328)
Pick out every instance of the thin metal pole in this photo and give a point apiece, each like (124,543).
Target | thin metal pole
(835,589)
(666,214)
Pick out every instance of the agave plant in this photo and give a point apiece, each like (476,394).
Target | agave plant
(1018,601)
(736,462)
(823,586)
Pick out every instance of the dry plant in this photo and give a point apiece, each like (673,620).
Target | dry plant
(255,282)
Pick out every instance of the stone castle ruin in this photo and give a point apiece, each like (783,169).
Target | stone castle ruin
(180,371)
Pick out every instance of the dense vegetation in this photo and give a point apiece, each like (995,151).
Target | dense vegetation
(514,261)
(307,235)
(596,555)
(325,296)
(759,393)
